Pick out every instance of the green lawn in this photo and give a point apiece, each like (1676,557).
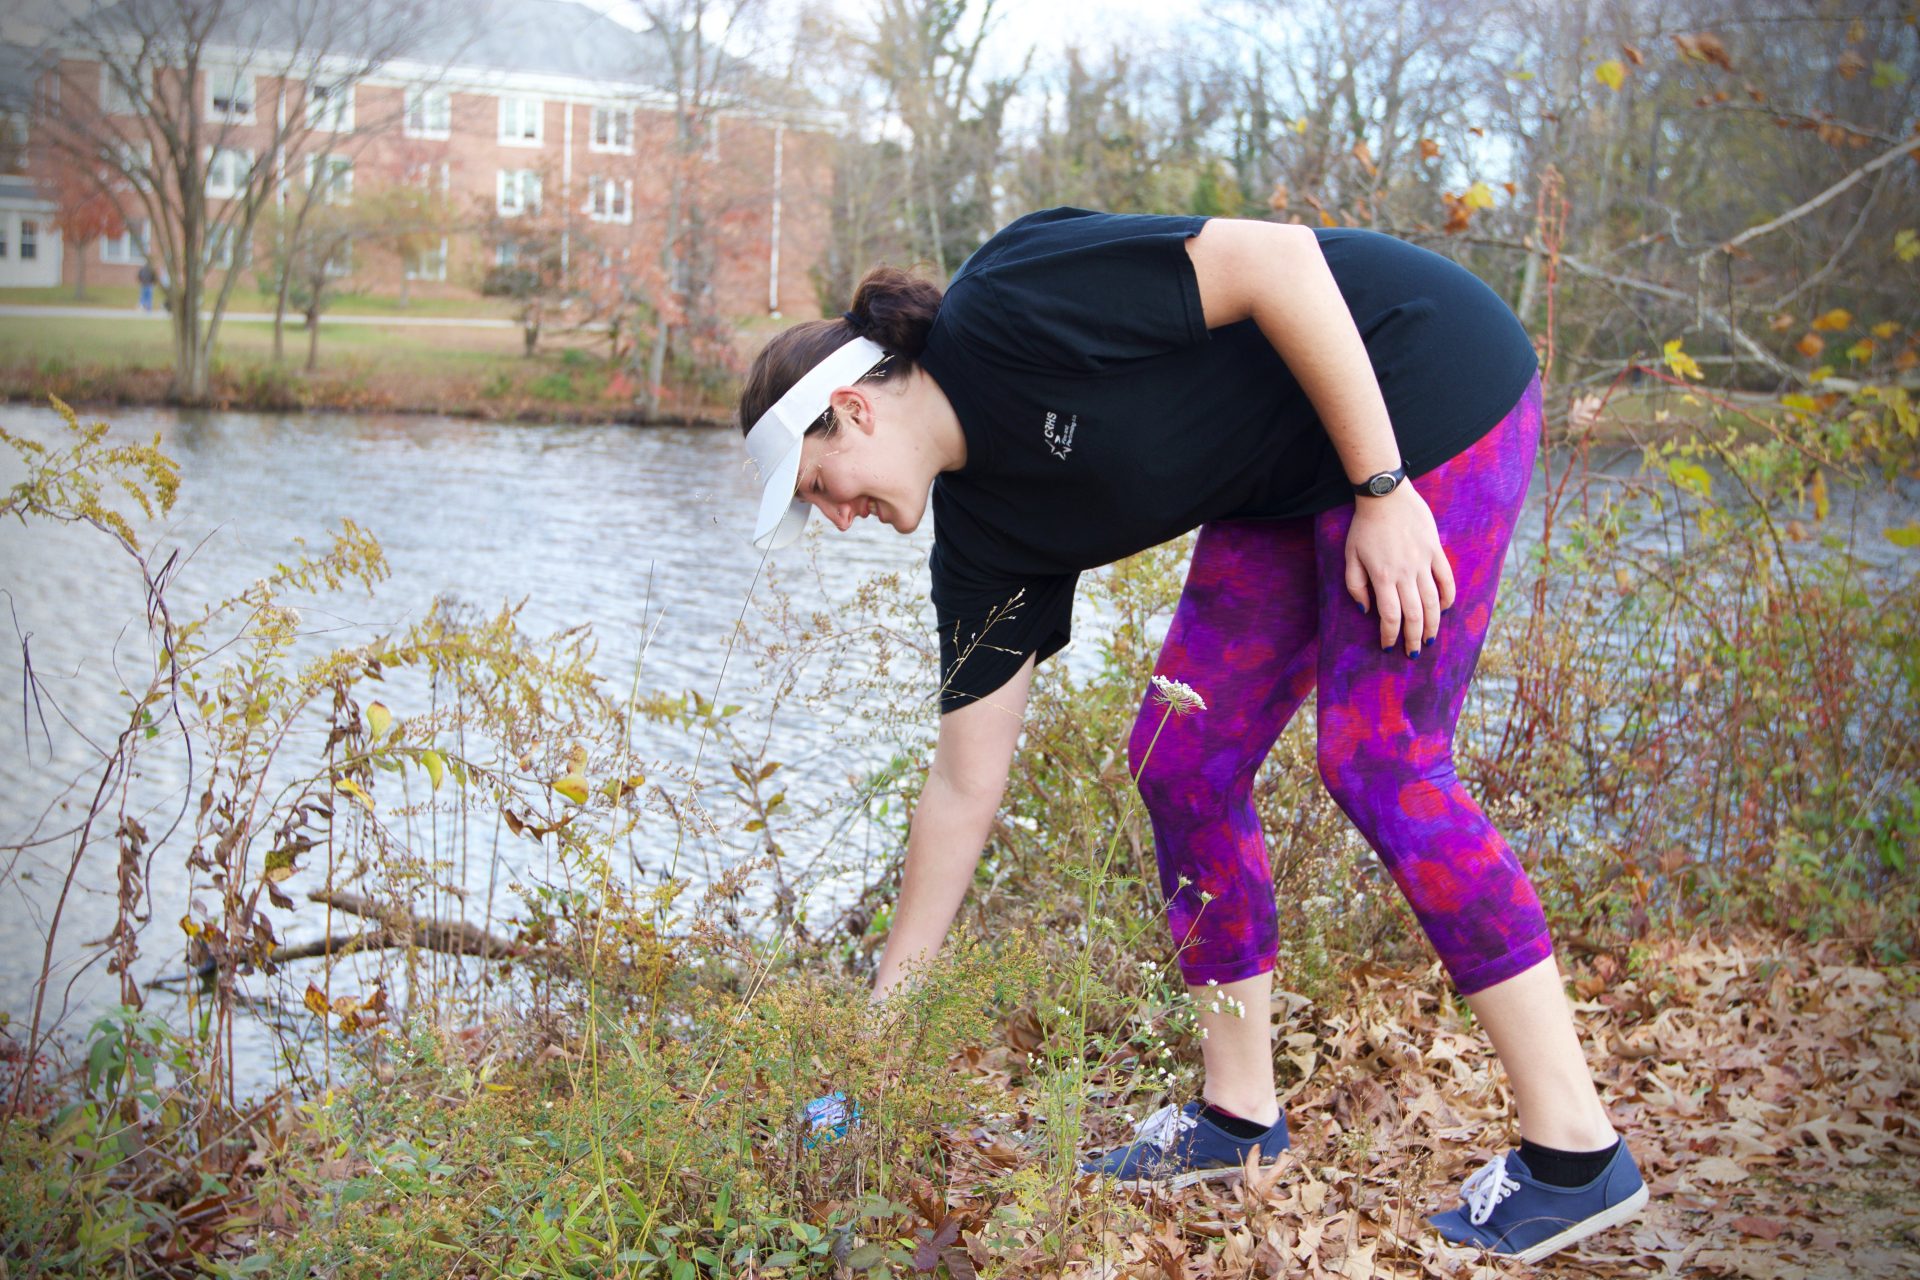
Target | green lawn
(246,298)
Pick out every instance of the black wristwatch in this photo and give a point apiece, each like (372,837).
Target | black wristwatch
(1382,483)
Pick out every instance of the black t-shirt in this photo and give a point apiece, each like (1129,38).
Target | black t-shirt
(1102,417)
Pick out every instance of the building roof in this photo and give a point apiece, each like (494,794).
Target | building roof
(547,37)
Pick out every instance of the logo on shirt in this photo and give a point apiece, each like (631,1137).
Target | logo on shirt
(1059,438)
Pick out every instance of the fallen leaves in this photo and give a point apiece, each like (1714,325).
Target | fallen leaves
(1770,1092)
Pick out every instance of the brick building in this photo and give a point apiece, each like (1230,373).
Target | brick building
(550,111)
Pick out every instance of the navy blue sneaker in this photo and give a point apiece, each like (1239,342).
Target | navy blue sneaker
(1177,1146)
(1509,1212)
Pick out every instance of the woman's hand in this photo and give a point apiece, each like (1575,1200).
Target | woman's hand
(1393,546)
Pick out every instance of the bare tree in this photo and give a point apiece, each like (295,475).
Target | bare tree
(200,108)
(925,55)
(705,47)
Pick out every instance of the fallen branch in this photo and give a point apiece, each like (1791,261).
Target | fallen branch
(453,937)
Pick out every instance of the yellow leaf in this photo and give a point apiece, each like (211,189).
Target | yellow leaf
(1479,196)
(315,1000)
(1906,245)
(1886,329)
(1838,318)
(1611,73)
(352,788)
(1799,403)
(1907,535)
(379,720)
(192,930)
(1810,345)
(1822,504)
(435,766)
(573,786)
(1682,364)
(1861,350)
(1692,477)
(1300,126)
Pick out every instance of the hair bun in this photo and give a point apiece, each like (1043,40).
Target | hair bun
(895,309)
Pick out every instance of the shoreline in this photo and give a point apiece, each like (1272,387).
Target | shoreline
(97,391)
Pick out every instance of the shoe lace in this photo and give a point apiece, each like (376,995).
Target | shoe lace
(1165,1126)
(1486,1188)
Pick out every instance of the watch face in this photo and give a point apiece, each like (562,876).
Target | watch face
(1381,485)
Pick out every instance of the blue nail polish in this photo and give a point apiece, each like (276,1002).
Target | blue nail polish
(1414,654)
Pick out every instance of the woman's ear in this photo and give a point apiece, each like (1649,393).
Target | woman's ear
(851,407)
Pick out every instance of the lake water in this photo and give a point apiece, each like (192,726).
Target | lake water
(636,531)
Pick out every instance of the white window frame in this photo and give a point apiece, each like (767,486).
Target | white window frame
(224,182)
(233,77)
(129,248)
(610,199)
(29,233)
(339,182)
(330,106)
(523,185)
(523,109)
(608,115)
(114,99)
(428,264)
(14,125)
(431,175)
(421,99)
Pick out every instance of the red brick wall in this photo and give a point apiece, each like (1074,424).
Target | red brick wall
(735,187)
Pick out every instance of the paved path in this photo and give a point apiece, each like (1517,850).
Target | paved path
(20,311)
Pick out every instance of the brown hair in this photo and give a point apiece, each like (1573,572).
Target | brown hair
(891,307)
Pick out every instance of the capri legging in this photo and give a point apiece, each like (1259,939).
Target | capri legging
(1264,620)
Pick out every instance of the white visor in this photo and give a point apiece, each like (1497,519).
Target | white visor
(774,441)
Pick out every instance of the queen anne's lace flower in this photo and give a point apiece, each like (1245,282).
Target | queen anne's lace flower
(1179,695)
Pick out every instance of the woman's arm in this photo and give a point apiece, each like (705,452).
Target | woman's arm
(969,774)
(1274,274)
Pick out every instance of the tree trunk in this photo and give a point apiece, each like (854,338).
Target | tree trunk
(280,316)
(80,272)
(313,339)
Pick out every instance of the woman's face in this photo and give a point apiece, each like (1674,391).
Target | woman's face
(870,466)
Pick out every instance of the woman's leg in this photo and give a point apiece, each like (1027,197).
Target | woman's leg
(1243,636)
(1386,725)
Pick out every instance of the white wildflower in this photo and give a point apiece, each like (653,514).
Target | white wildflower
(1177,694)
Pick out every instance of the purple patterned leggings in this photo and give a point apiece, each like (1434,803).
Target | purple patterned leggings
(1264,620)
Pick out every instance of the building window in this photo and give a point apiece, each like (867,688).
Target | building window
(4,223)
(228,169)
(429,112)
(340,262)
(13,139)
(517,191)
(331,178)
(429,263)
(430,175)
(127,248)
(29,239)
(220,244)
(230,95)
(610,199)
(520,120)
(612,130)
(330,106)
(116,99)
(506,254)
